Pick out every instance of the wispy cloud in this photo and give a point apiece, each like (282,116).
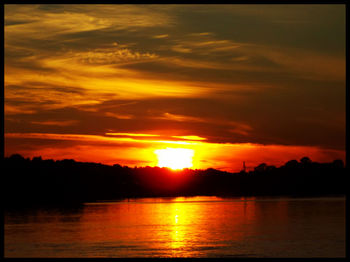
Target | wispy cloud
(175,117)
(190,137)
(13,110)
(119,116)
(113,56)
(55,123)
(161,36)
(131,134)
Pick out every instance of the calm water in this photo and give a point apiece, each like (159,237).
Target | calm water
(182,227)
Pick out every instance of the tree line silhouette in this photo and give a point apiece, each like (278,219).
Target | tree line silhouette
(37,181)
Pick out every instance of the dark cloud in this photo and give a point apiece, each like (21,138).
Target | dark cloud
(219,121)
(31,86)
(10,22)
(320,27)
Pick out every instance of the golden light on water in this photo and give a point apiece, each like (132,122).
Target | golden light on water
(177,237)
(175,158)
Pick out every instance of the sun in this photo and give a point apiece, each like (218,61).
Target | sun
(175,158)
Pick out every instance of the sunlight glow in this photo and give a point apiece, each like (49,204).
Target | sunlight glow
(129,134)
(175,158)
(191,137)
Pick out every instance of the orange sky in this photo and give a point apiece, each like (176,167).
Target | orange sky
(114,83)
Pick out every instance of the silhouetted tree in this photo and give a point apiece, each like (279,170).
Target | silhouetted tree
(16,157)
(260,168)
(270,168)
(292,164)
(37,159)
(48,182)
(305,160)
(338,163)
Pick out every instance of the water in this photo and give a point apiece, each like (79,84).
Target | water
(182,227)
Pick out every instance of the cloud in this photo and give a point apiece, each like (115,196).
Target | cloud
(119,116)
(77,18)
(190,137)
(175,117)
(131,134)
(305,64)
(112,138)
(232,74)
(201,34)
(246,117)
(181,49)
(109,56)
(55,123)
(161,36)
(32,96)
(13,110)
(241,129)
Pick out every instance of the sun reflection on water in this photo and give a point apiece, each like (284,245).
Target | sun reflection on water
(178,240)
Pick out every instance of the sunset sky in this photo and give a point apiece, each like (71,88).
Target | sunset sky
(233,83)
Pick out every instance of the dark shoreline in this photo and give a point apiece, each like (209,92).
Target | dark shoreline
(67,183)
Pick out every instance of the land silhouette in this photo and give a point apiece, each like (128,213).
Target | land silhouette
(66,182)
